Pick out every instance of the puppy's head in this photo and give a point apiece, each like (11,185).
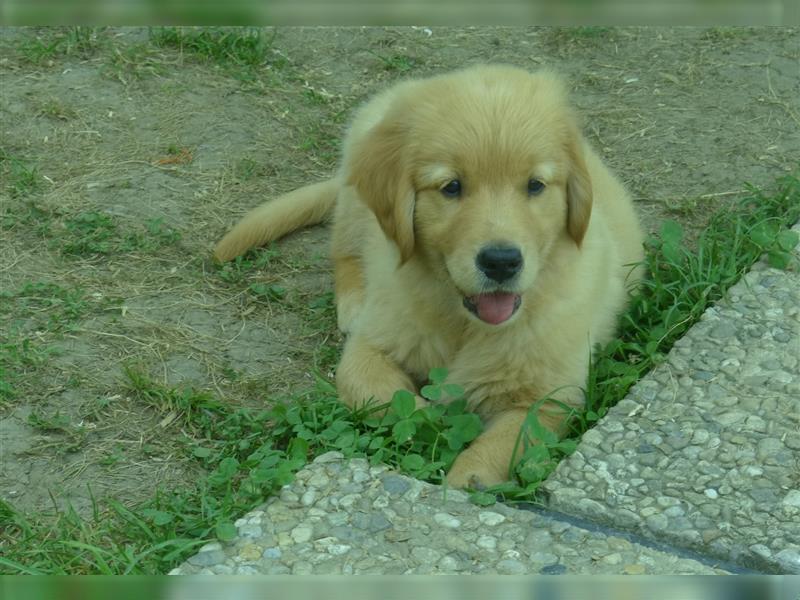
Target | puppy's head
(478,174)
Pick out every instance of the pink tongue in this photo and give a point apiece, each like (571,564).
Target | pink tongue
(496,307)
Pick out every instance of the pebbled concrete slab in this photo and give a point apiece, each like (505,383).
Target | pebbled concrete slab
(346,517)
(705,451)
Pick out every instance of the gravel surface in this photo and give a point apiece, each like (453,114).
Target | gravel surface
(705,451)
(702,459)
(346,517)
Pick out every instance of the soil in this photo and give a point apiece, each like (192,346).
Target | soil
(121,127)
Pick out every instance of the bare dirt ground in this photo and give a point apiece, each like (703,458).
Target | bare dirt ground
(122,161)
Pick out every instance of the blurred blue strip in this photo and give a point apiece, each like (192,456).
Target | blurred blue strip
(397,587)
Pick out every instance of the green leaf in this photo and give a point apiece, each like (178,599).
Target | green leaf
(404,403)
(778,260)
(762,235)
(271,458)
(277,291)
(453,390)
(298,449)
(506,488)
(293,416)
(272,292)
(438,375)
(225,531)
(419,417)
(539,432)
(533,472)
(434,412)
(483,498)
(565,446)
(403,431)
(432,392)
(377,442)
(788,239)
(412,462)
(447,457)
(323,385)
(224,472)
(346,440)
(158,517)
(673,253)
(468,426)
(457,407)
(324,301)
(671,232)
(201,452)
(536,453)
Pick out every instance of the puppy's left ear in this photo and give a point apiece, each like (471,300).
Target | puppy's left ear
(579,191)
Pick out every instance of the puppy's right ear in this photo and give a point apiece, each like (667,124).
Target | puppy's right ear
(378,168)
(579,191)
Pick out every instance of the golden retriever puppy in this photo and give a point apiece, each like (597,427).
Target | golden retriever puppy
(474,229)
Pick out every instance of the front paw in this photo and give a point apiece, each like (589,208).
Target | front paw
(470,470)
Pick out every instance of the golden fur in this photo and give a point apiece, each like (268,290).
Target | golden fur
(404,252)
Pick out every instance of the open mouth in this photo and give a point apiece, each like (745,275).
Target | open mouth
(494,307)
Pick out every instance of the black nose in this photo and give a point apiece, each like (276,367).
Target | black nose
(499,263)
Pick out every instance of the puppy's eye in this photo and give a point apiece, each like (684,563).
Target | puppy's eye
(535,187)
(452,189)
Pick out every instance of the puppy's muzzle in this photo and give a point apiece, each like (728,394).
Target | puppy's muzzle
(500,264)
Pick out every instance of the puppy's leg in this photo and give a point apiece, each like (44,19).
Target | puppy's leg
(487,461)
(348,277)
(366,375)
(350,223)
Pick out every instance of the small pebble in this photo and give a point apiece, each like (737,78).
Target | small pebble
(250,552)
(635,569)
(302,533)
(446,520)
(510,567)
(490,518)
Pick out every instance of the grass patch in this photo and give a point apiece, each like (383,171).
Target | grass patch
(241,47)
(399,63)
(56,110)
(25,213)
(73,435)
(726,34)
(44,305)
(563,37)
(322,140)
(683,283)
(134,62)
(248,454)
(17,356)
(245,266)
(92,234)
(58,42)
(248,169)
(18,176)
(35,308)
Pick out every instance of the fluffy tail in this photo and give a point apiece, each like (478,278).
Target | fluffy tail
(275,218)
